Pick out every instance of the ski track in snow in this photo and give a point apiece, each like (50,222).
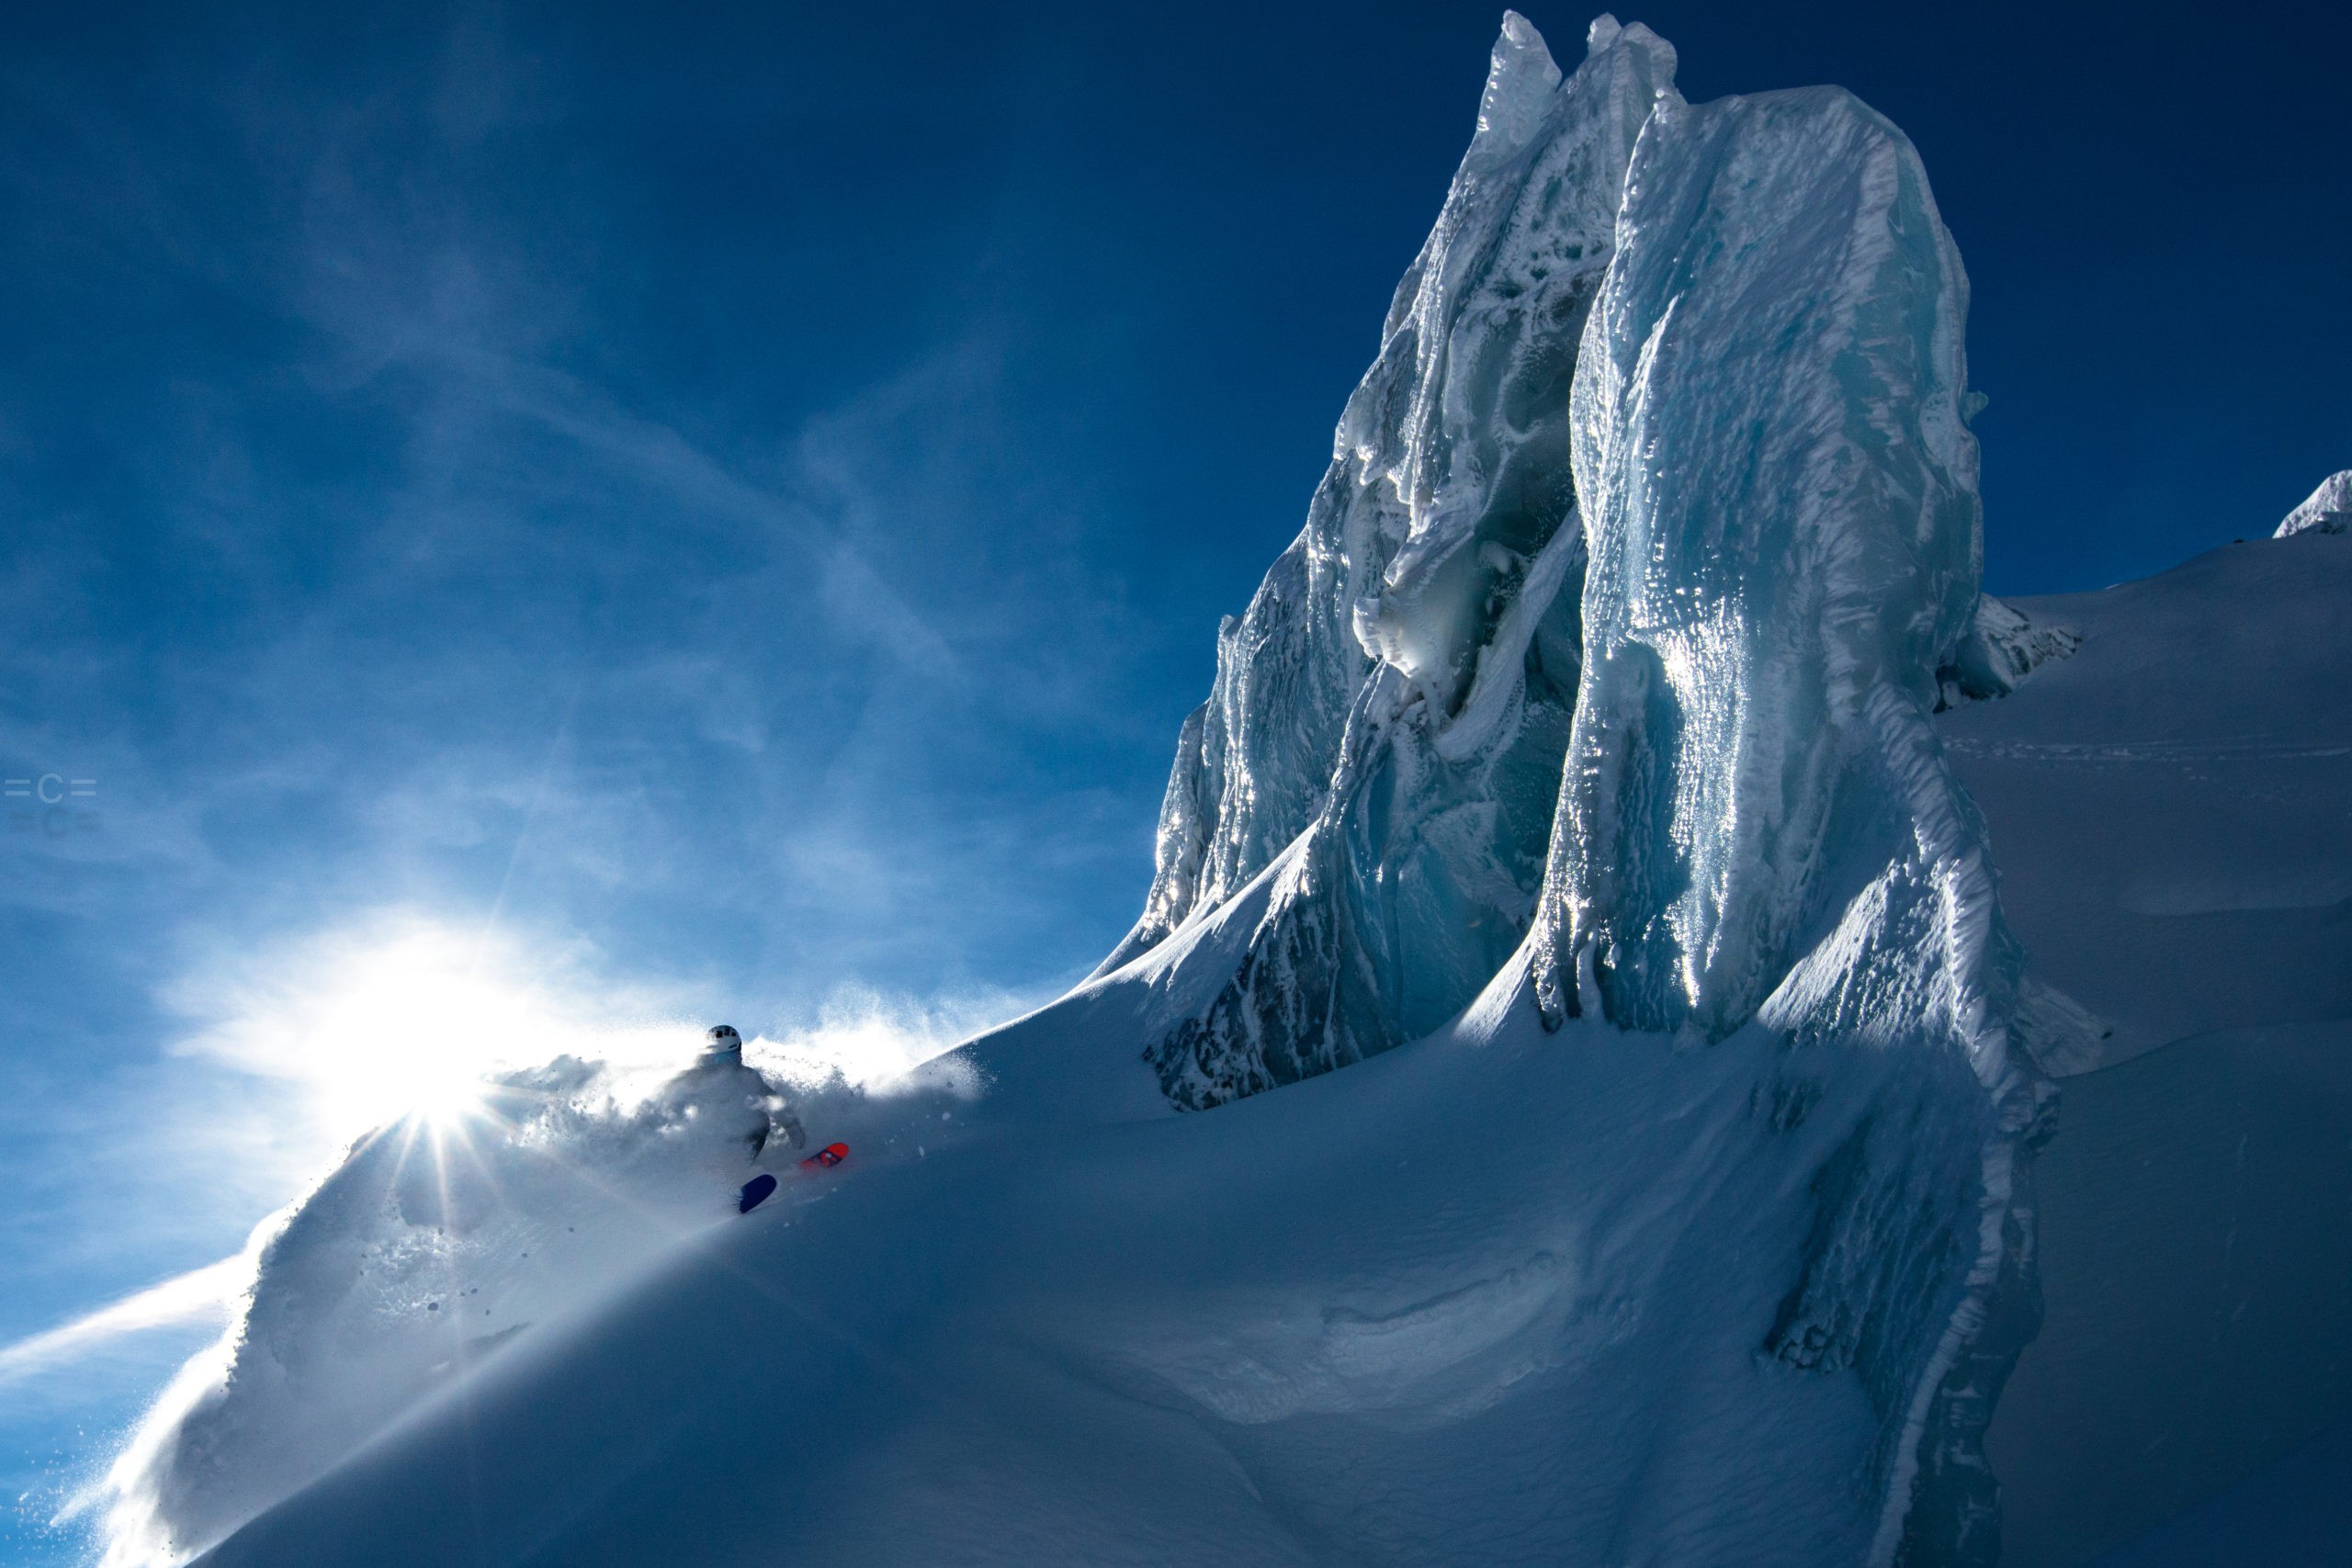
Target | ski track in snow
(2137,753)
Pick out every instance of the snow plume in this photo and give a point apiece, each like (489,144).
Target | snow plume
(397,1013)
(555,1151)
(865,1040)
(191,1297)
(438,1240)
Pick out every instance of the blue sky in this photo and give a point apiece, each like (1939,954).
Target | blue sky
(720,512)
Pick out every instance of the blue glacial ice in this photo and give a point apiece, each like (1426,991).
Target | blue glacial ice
(1757,828)
(1672,407)
(1385,732)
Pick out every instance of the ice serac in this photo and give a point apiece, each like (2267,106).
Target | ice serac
(2327,510)
(1385,731)
(1758,828)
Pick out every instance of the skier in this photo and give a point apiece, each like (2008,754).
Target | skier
(720,1079)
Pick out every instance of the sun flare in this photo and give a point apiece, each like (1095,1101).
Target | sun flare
(407,1018)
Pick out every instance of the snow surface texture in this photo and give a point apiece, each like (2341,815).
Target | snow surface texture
(1582,738)
(2327,510)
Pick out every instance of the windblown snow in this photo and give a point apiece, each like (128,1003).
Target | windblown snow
(1592,780)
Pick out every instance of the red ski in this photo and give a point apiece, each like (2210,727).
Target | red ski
(760,1187)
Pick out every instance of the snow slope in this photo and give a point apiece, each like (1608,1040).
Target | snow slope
(1347,1321)
(2168,805)
(435,1244)
(1493,1298)
(2172,811)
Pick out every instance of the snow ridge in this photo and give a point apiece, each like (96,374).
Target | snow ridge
(2327,510)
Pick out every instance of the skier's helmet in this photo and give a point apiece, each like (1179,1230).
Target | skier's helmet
(722,1041)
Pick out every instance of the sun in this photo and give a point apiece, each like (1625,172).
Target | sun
(403,1015)
(413,1026)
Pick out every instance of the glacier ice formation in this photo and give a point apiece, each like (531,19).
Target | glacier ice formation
(1753,545)
(1389,716)
(1756,825)
(1580,743)
(2000,649)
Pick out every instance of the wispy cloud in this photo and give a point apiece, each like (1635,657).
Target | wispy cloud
(205,1295)
(451,513)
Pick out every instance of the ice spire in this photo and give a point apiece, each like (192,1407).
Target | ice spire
(1520,80)
(1756,823)
(1387,727)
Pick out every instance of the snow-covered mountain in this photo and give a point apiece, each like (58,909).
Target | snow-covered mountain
(1751,530)
(1596,779)
(2327,510)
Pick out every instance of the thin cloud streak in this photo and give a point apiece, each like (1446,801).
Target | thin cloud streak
(200,1295)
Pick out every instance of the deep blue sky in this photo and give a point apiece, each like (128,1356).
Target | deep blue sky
(736,501)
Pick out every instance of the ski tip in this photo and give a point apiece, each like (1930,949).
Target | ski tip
(756,1192)
(831,1154)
